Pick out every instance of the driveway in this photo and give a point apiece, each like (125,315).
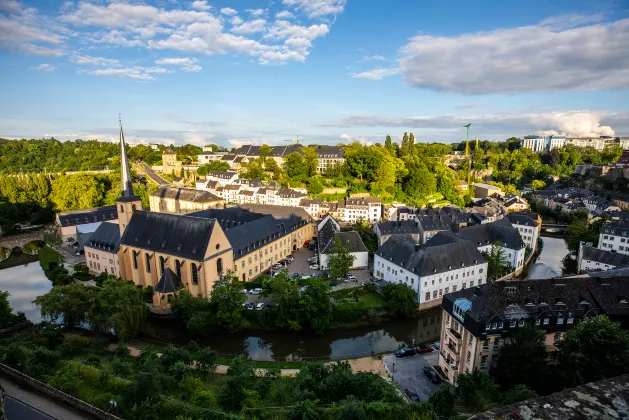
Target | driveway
(69,258)
(408,373)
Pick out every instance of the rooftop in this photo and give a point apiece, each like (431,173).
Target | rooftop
(79,217)
(106,238)
(185,194)
(606,257)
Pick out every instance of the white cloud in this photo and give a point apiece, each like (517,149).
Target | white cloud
(536,58)
(285,14)
(94,61)
(229,11)
(10,6)
(186,63)
(250,27)
(283,29)
(236,20)
(24,33)
(362,140)
(376,74)
(571,20)
(373,58)
(46,67)
(256,12)
(200,5)
(117,37)
(318,8)
(135,73)
(570,123)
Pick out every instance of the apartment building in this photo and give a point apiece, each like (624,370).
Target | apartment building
(444,264)
(101,250)
(615,237)
(327,156)
(543,143)
(594,259)
(477,321)
(355,209)
(384,230)
(528,226)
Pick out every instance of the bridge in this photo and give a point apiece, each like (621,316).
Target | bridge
(20,240)
(550,227)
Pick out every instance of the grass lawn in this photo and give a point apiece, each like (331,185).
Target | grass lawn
(372,300)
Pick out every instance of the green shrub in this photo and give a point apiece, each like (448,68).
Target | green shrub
(74,345)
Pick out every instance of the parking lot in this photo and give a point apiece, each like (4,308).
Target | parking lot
(408,372)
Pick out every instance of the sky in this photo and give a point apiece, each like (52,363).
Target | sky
(323,71)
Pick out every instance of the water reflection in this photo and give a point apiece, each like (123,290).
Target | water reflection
(334,344)
(25,283)
(549,263)
(4,253)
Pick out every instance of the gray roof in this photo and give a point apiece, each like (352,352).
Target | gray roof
(522,219)
(230,217)
(290,193)
(399,227)
(606,257)
(325,236)
(222,174)
(279,212)
(282,151)
(248,150)
(106,238)
(178,235)
(229,157)
(255,234)
(185,194)
(169,282)
(306,202)
(351,240)
(430,259)
(619,228)
(329,152)
(359,201)
(500,231)
(81,217)
(440,222)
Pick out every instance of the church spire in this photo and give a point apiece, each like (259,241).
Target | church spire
(127,186)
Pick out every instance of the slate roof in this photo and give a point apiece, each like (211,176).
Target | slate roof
(255,234)
(222,174)
(619,228)
(232,187)
(430,259)
(329,152)
(282,151)
(279,212)
(169,282)
(255,182)
(185,194)
(351,240)
(239,159)
(228,157)
(359,202)
(605,257)
(230,217)
(307,202)
(248,150)
(441,222)
(487,234)
(182,236)
(80,217)
(325,236)
(106,238)
(521,219)
(290,193)
(399,227)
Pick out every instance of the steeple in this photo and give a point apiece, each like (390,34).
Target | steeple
(127,186)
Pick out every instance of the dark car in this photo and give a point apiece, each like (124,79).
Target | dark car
(411,395)
(405,352)
(423,349)
(432,375)
(296,275)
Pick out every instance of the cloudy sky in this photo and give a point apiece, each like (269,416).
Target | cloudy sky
(328,71)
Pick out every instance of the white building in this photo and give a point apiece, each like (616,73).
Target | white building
(615,237)
(355,209)
(528,228)
(207,157)
(543,143)
(222,177)
(329,233)
(101,251)
(594,259)
(444,264)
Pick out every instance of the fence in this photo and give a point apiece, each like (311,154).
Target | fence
(55,394)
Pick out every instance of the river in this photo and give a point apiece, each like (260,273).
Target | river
(549,262)
(26,282)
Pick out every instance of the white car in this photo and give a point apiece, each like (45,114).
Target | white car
(255,291)
(276,266)
(260,306)
(290,258)
(244,291)
(314,266)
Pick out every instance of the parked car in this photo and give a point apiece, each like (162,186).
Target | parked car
(244,291)
(405,352)
(431,374)
(305,277)
(423,349)
(268,306)
(250,306)
(364,284)
(276,266)
(350,277)
(312,259)
(255,291)
(314,266)
(411,395)
(259,306)
(290,259)
(296,275)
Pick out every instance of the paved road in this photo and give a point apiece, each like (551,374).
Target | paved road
(409,375)
(28,405)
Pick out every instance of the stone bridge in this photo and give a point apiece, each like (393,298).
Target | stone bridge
(20,240)
(549,227)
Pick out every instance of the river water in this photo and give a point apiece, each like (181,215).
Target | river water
(24,283)
(548,264)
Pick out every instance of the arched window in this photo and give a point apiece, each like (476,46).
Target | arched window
(195,274)
(147,260)
(122,208)
(132,207)
(219,265)
(162,261)
(135,259)
(178,268)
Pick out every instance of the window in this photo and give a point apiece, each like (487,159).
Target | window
(487,326)
(546,320)
(500,324)
(570,320)
(250,272)
(483,362)
(242,264)
(178,268)
(447,290)
(521,323)
(469,356)
(537,322)
(413,281)
(494,326)
(486,343)
(471,284)
(480,270)
(447,319)
(433,282)
(496,342)
(135,259)
(147,262)
(454,288)
(471,340)
(557,337)
(464,285)
(560,320)
(162,261)
(434,294)
(195,274)
(427,296)
(440,292)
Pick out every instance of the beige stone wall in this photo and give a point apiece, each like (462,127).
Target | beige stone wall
(100,261)
(171,205)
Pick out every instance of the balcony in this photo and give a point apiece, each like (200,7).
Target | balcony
(455,336)
(452,352)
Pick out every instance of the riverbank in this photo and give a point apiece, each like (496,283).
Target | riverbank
(14,261)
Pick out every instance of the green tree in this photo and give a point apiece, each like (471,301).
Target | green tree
(497,260)
(314,186)
(594,349)
(217,165)
(119,306)
(536,184)
(419,183)
(311,160)
(6,312)
(252,170)
(315,308)
(474,389)
(284,292)
(442,402)
(366,234)
(400,299)
(70,303)
(388,144)
(385,176)
(265,149)
(522,359)
(578,231)
(340,260)
(173,354)
(295,166)
(80,191)
(205,359)
(227,301)
(271,165)
(516,394)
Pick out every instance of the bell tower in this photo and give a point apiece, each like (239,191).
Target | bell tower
(128,202)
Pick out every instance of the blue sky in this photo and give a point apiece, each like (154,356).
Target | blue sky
(328,71)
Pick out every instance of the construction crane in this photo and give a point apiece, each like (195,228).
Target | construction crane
(467,155)
(296,140)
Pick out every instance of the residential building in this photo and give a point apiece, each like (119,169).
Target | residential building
(327,236)
(443,264)
(528,226)
(501,234)
(543,143)
(513,202)
(183,200)
(485,190)
(621,200)
(328,157)
(170,164)
(209,156)
(476,321)
(614,237)
(384,230)
(222,177)
(431,225)
(67,221)
(314,206)
(599,204)
(368,209)
(598,143)
(594,259)
(101,250)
